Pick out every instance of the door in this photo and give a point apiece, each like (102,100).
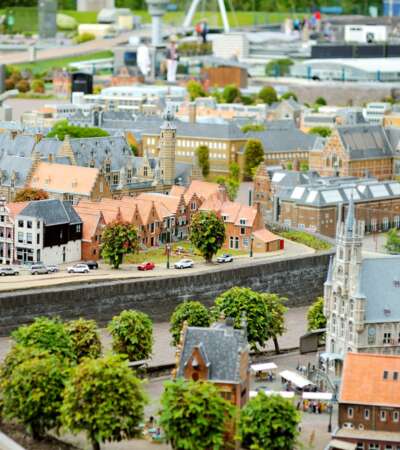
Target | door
(63,255)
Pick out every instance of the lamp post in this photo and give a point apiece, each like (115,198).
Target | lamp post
(168,247)
(251,246)
(330,417)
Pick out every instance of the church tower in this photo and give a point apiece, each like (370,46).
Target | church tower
(167,145)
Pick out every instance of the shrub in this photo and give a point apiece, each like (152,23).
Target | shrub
(315,315)
(320,101)
(9,84)
(38,86)
(84,37)
(23,86)
(194,313)
(85,338)
(268,95)
(307,239)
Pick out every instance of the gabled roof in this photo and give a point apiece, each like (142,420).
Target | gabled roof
(203,189)
(265,235)
(90,222)
(232,212)
(17,166)
(52,212)
(363,381)
(14,208)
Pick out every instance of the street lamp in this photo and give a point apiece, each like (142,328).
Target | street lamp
(251,246)
(330,417)
(168,247)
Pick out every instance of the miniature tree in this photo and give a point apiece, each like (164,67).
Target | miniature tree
(320,101)
(315,315)
(276,309)
(231,93)
(85,338)
(33,393)
(23,86)
(393,241)
(321,131)
(268,95)
(241,303)
(253,157)
(253,127)
(278,67)
(31,194)
(194,313)
(194,416)
(195,90)
(289,94)
(268,422)
(207,233)
(38,86)
(104,399)
(132,334)
(63,128)
(118,239)
(203,157)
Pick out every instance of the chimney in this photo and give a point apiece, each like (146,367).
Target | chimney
(192,112)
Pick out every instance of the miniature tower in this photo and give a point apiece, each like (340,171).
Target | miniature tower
(157,9)
(167,145)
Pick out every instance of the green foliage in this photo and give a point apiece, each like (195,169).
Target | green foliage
(307,239)
(46,334)
(268,95)
(194,415)
(63,128)
(85,338)
(268,422)
(393,241)
(104,399)
(207,233)
(321,131)
(66,22)
(33,393)
(194,313)
(231,94)
(203,157)
(118,239)
(276,309)
(195,90)
(23,86)
(289,165)
(243,303)
(253,157)
(38,86)
(289,94)
(253,127)
(30,194)
(278,67)
(320,101)
(84,37)
(134,150)
(194,48)
(304,167)
(233,181)
(132,334)
(315,315)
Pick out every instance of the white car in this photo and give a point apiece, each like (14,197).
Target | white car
(224,258)
(78,268)
(184,264)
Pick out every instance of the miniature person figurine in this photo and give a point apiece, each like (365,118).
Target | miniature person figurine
(172,61)
(143,59)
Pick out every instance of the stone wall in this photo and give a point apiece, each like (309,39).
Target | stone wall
(300,279)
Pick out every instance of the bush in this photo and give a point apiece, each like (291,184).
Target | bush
(321,131)
(65,22)
(195,90)
(38,86)
(268,95)
(278,67)
(231,93)
(288,95)
(132,334)
(84,37)
(9,84)
(253,127)
(85,338)
(23,86)
(315,315)
(320,101)
(307,239)
(30,194)
(194,313)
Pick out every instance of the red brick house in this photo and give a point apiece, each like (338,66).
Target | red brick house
(93,224)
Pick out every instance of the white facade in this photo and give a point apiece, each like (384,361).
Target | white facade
(364,34)
(375,112)
(55,255)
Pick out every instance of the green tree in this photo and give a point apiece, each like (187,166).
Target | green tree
(30,194)
(195,90)
(233,181)
(132,334)
(231,94)
(289,165)
(304,167)
(46,334)
(268,422)
(85,338)
(241,303)
(203,157)
(320,101)
(207,233)
(194,415)
(119,239)
(253,127)
(278,67)
(63,128)
(104,399)
(253,157)
(321,131)
(194,313)
(33,393)
(134,150)
(289,94)
(276,310)
(268,95)
(38,86)
(315,315)
(393,241)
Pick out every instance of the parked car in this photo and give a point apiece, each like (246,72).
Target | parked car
(146,266)
(53,268)
(225,258)
(5,271)
(78,268)
(184,264)
(93,265)
(39,269)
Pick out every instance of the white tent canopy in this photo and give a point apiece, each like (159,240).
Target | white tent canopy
(317,396)
(263,367)
(295,378)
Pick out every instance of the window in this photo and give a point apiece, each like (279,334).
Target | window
(20,223)
(396,416)
(366,414)
(145,171)
(115,178)
(385,374)
(108,167)
(242,221)
(1,218)
(385,223)
(242,230)
(373,446)
(245,242)
(360,446)
(20,236)
(101,186)
(78,228)
(387,337)
(38,238)
(382,415)
(29,238)
(350,412)
(395,376)
(129,176)
(29,224)
(193,206)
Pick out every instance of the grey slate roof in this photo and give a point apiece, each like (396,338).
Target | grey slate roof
(18,165)
(393,134)
(52,212)
(221,345)
(377,284)
(21,145)
(48,146)
(365,141)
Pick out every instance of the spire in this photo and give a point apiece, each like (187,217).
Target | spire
(350,219)
(329,277)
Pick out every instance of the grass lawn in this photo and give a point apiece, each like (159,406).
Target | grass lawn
(158,256)
(44,66)
(305,238)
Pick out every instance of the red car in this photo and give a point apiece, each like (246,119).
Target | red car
(146,266)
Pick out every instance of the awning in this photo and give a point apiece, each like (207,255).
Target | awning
(341,445)
(295,378)
(263,367)
(284,394)
(317,396)
(331,356)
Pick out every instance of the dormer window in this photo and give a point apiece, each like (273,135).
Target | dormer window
(108,167)
(224,217)
(242,221)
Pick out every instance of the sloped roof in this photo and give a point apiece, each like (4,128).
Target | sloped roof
(363,380)
(22,144)
(17,165)
(265,235)
(223,346)
(15,208)
(90,222)
(203,189)
(52,212)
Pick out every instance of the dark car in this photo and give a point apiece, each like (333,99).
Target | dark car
(146,266)
(93,265)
